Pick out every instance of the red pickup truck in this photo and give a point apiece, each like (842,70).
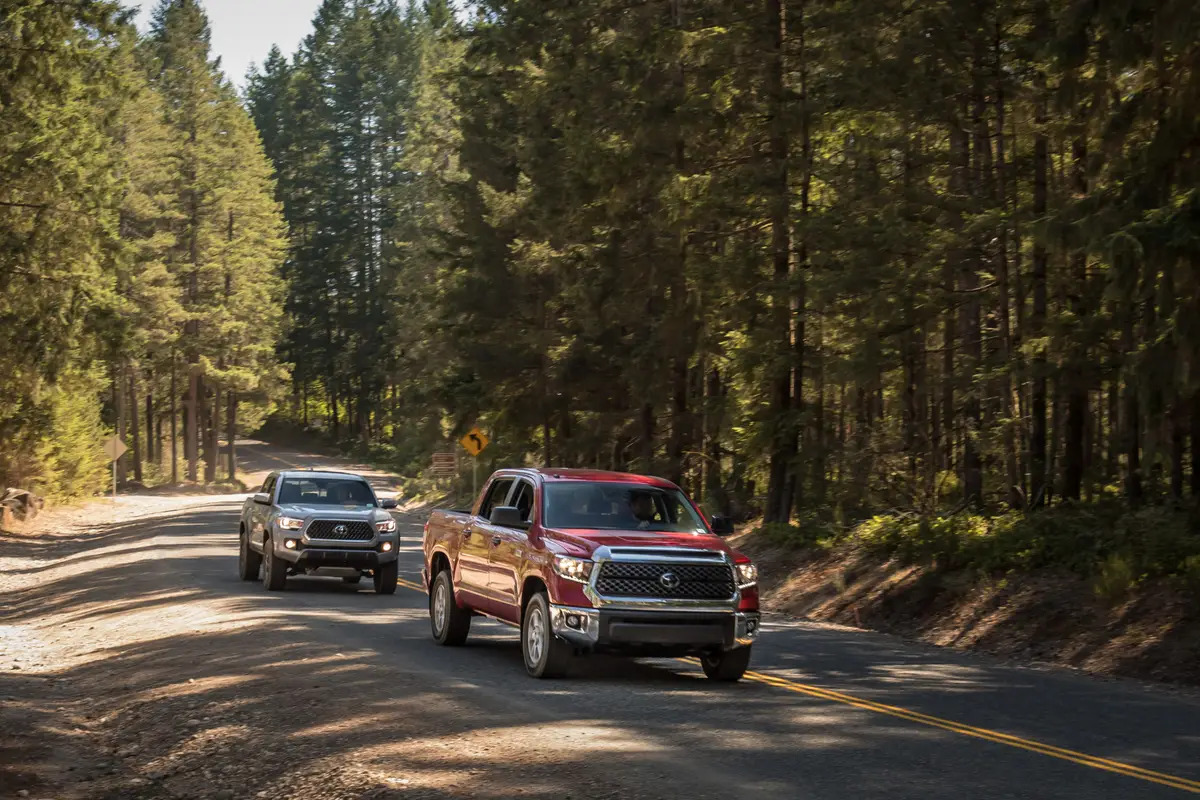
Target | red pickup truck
(588,561)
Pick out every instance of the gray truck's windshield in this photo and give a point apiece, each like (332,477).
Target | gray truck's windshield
(618,506)
(325,492)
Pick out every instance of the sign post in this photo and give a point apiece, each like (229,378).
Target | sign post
(114,448)
(474,443)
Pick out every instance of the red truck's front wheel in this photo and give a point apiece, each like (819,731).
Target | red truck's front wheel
(546,656)
(726,665)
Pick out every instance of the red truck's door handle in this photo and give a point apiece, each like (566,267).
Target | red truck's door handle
(496,540)
(467,531)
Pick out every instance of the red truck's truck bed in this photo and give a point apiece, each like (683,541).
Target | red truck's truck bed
(587,561)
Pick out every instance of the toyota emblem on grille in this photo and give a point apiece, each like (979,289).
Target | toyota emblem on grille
(340,530)
(669,580)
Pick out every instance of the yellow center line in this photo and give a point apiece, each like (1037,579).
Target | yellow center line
(996,737)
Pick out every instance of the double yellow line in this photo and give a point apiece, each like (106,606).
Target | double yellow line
(1095,762)
(1083,759)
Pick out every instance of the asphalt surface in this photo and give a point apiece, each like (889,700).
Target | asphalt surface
(828,713)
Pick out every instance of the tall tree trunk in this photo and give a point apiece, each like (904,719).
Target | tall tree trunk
(783,440)
(800,239)
(136,432)
(231,432)
(191,438)
(151,445)
(1077,389)
(174,421)
(212,463)
(1133,415)
(1037,319)
(1195,431)
(118,384)
(714,407)
(1007,350)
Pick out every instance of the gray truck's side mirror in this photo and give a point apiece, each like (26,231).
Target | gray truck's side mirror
(507,517)
(387,502)
(722,526)
(262,498)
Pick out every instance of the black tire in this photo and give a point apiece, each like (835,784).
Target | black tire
(352,579)
(249,562)
(385,577)
(274,569)
(545,655)
(726,665)
(450,624)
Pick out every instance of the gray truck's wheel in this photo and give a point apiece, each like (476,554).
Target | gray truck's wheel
(726,665)
(385,578)
(450,623)
(274,570)
(249,562)
(545,655)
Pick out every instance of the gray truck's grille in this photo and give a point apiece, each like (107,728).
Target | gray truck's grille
(645,579)
(358,531)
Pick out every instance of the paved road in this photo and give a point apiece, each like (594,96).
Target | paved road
(833,713)
(828,714)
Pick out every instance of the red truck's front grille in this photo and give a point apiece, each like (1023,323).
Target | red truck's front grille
(653,579)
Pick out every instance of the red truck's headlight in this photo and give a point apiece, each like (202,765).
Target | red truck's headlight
(747,575)
(573,569)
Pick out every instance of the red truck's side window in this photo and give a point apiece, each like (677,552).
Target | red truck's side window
(495,496)
(523,499)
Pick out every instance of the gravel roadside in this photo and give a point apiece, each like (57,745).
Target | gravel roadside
(133,666)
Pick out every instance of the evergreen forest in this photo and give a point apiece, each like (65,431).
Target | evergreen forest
(829,263)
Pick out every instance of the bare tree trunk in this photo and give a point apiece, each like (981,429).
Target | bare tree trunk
(1195,431)
(136,432)
(174,422)
(118,383)
(1037,320)
(231,432)
(191,438)
(1073,463)
(214,436)
(151,448)
(783,441)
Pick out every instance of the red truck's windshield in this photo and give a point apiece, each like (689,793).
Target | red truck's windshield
(618,507)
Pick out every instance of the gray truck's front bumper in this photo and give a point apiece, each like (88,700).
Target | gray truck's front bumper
(609,629)
(319,555)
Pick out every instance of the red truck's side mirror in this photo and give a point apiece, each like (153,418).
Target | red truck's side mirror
(722,526)
(507,517)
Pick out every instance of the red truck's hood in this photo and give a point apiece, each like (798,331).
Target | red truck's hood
(589,540)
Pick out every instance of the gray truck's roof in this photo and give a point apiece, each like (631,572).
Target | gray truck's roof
(313,473)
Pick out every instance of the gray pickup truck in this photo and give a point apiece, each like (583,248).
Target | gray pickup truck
(318,523)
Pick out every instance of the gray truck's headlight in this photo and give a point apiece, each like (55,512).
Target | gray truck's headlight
(747,575)
(573,569)
(289,523)
(387,526)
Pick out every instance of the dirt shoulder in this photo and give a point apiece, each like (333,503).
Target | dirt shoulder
(134,665)
(1046,616)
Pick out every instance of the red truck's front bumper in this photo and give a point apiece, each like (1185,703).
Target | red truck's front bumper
(665,632)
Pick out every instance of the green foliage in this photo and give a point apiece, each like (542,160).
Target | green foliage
(136,221)
(1157,542)
(1115,580)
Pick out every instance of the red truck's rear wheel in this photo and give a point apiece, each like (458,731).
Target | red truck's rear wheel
(450,623)
(545,655)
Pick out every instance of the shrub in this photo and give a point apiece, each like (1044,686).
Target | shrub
(1153,542)
(1115,580)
